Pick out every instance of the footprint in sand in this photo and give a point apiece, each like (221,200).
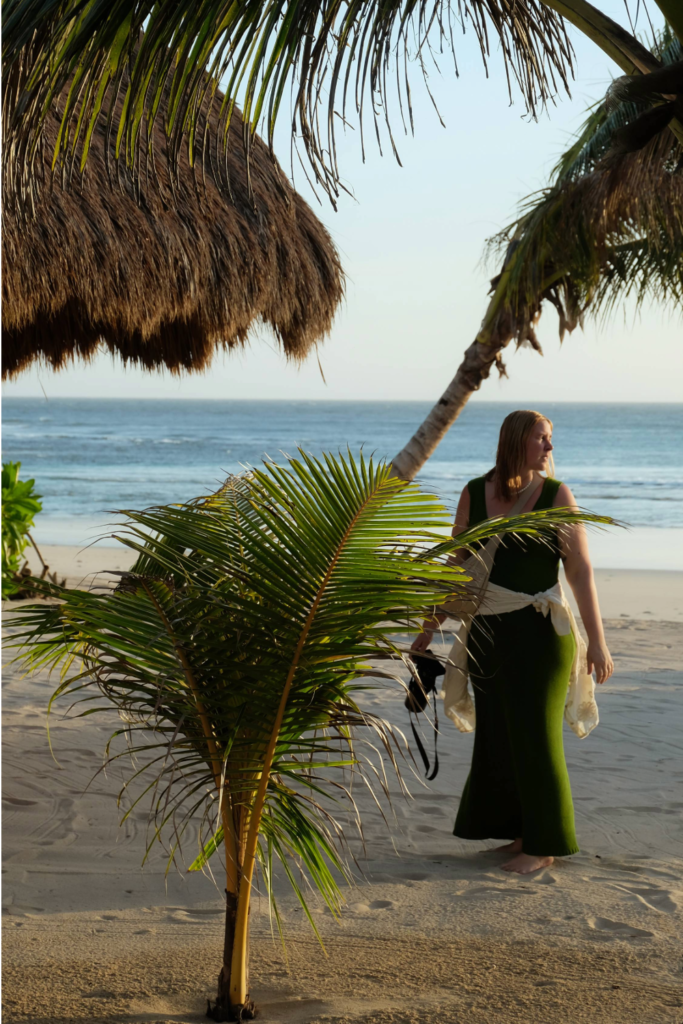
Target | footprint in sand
(618,929)
(659,900)
(185,915)
(367,908)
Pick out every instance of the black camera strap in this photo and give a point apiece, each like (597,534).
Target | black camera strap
(425,670)
(420,745)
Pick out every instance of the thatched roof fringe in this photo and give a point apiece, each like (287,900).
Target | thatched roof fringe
(167,276)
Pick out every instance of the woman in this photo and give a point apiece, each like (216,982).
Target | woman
(518,786)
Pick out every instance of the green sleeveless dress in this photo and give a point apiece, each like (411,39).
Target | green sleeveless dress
(519,667)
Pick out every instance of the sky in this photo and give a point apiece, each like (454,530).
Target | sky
(411,240)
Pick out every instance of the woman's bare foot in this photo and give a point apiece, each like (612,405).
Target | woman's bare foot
(525,864)
(514,847)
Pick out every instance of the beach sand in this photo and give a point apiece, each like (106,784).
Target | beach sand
(433,931)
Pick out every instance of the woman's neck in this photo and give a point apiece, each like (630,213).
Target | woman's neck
(527,477)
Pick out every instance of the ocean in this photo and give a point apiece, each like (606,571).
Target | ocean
(91,457)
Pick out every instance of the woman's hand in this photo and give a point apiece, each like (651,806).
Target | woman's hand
(599,661)
(422,641)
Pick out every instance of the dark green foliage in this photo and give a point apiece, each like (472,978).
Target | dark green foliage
(20,504)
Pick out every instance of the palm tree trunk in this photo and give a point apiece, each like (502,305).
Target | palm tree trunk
(475,368)
(221,1010)
(224,1008)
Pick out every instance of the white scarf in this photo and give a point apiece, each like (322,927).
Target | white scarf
(580,711)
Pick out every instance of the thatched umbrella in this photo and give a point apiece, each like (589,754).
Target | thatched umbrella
(164,278)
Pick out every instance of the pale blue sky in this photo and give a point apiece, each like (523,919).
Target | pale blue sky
(411,242)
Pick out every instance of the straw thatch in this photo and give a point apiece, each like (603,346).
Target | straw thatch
(164,279)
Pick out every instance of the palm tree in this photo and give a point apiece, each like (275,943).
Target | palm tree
(234,652)
(609,226)
(75,59)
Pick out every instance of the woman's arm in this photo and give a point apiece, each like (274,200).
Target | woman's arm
(462,518)
(579,573)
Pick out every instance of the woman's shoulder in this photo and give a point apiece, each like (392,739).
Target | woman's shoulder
(475,500)
(478,484)
(471,492)
(552,488)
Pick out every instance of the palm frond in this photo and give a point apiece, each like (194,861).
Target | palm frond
(608,227)
(334,57)
(606,118)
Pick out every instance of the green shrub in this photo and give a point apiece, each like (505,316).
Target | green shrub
(20,504)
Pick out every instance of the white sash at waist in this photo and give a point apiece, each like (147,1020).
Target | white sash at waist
(580,712)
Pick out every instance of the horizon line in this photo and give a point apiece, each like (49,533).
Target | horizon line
(321,401)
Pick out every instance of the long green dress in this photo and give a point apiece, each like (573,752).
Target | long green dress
(518,783)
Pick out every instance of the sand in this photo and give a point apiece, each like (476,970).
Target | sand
(433,931)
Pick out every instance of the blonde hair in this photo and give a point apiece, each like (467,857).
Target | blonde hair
(511,454)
